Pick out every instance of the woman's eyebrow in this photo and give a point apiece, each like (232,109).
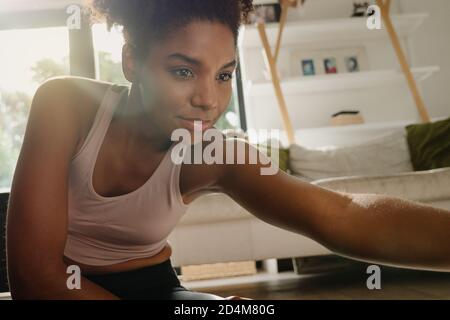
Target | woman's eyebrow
(196,62)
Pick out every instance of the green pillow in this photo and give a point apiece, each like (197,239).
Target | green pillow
(283,156)
(429,145)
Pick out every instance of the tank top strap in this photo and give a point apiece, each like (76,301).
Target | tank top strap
(102,119)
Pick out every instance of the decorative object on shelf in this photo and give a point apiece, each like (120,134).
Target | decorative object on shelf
(346,117)
(360,9)
(330,65)
(352,64)
(265,13)
(308,67)
(339,61)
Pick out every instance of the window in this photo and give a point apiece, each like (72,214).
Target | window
(108,55)
(230,118)
(27,58)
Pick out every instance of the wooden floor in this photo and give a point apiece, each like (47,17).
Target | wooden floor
(348,284)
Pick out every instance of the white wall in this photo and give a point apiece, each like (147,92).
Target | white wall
(430,45)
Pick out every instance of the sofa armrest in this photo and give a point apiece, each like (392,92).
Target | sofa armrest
(423,186)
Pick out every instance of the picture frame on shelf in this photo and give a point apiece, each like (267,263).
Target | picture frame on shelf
(330,65)
(342,60)
(352,64)
(265,13)
(308,67)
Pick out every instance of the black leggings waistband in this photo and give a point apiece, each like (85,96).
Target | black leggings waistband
(152,282)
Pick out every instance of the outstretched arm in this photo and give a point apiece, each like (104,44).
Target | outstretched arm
(367,227)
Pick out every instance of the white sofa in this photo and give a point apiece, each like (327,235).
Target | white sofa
(217,229)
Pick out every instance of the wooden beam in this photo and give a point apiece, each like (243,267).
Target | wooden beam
(285,5)
(384,5)
(276,84)
(385,9)
(387,5)
(290,3)
(284,11)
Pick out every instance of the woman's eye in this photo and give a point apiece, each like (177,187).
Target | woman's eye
(225,77)
(183,73)
(186,74)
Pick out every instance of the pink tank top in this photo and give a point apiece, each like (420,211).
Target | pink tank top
(109,230)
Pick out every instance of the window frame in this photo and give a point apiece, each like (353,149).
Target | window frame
(81,45)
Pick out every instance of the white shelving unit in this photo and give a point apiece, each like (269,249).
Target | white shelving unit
(317,31)
(380,77)
(342,81)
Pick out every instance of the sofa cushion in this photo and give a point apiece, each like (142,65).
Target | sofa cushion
(386,154)
(213,207)
(429,145)
(279,158)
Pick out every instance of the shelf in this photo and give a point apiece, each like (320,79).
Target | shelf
(369,126)
(315,137)
(320,31)
(339,82)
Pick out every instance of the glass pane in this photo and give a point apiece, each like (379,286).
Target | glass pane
(230,118)
(108,52)
(27,58)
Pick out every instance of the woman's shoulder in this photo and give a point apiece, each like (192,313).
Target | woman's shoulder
(79,97)
(65,88)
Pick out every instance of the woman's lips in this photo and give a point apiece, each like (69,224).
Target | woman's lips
(197,125)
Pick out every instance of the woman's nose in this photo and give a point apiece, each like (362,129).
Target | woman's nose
(205,96)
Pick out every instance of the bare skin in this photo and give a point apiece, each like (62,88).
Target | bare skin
(191,67)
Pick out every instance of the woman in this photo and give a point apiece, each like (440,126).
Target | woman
(95,186)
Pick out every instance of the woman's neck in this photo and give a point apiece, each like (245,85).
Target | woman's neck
(136,127)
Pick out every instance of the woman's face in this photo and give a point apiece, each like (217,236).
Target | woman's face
(188,76)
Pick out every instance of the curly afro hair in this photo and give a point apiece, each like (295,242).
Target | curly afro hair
(146,20)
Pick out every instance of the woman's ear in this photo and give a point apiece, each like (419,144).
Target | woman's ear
(129,65)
